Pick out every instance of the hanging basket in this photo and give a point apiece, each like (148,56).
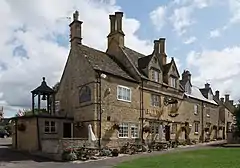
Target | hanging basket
(21,127)
(146,129)
(116,127)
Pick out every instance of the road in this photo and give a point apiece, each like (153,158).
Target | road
(13,159)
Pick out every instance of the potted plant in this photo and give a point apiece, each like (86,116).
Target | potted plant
(116,127)
(146,129)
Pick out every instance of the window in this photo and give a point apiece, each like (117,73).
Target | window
(155,100)
(123,131)
(154,126)
(196,109)
(173,82)
(85,94)
(134,130)
(174,128)
(208,112)
(50,127)
(123,93)
(155,76)
(196,125)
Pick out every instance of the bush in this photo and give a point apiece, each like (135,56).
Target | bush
(69,155)
(105,152)
(115,152)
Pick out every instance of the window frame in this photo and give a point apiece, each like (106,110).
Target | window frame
(155,100)
(196,109)
(155,75)
(134,127)
(121,126)
(50,126)
(121,94)
(196,127)
(173,84)
(174,128)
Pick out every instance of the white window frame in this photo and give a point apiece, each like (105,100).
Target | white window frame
(196,127)
(123,133)
(120,93)
(155,100)
(50,126)
(155,75)
(173,82)
(196,109)
(174,128)
(134,130)
(208,112)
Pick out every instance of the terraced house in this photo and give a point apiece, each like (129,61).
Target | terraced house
(122,92)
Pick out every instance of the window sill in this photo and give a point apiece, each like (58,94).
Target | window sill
(195,133)
(195,113)
(123,137)
(128,101)
(50,132)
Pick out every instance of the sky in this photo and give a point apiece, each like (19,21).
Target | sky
(202,36)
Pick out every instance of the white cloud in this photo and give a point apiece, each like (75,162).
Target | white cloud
(181,19)
(35,26)
(158,17)
(234,6)
(221,67)
(215,33)
(195,3)
(190,40)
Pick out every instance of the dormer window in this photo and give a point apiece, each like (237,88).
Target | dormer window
(155,75)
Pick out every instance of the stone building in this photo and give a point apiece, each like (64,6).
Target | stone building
(124,89)
(226,113)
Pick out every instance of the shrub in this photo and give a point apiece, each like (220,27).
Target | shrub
(115,152)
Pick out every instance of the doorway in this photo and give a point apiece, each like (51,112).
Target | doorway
(67,130)
(223,131)
(167,132)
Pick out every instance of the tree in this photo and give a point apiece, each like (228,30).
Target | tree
(237,115)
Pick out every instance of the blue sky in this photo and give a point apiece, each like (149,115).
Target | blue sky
(202,36)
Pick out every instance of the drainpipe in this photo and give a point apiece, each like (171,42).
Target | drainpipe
(16,132)
(202,125)
(141,110)
(99,108)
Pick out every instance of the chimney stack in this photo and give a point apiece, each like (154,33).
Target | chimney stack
(226,98)
(231,102)
(186,76)
(207,86)
(116,32)
(159,49)
(222,99)
(162,45)
(217,94)
(75,30)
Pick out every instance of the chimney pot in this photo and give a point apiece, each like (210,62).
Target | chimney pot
(231,102)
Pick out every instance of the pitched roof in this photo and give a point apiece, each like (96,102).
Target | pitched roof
(196,93)
(144,61)
(133,55)
(43,88)
(101,61)
(166,67)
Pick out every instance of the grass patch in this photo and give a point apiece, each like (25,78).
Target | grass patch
(204,158)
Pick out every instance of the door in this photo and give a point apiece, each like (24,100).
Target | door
(167,132)
(67,130)
(223,131)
